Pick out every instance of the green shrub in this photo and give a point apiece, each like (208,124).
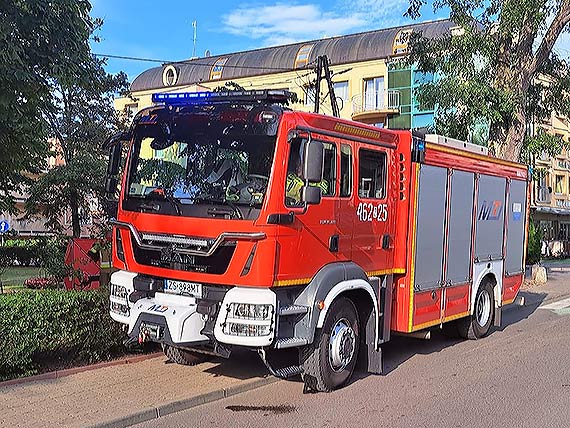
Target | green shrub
(534,245)
(49,329)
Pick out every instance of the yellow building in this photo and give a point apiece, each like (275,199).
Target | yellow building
(368,83)
(551,195)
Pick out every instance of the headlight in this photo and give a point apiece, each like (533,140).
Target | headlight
(250,311)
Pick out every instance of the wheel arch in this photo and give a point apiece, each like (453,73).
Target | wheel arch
(487,271)
(332,281)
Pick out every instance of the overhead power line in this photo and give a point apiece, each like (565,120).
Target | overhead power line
(191,61)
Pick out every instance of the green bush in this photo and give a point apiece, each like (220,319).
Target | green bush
(48,329)
(534,245)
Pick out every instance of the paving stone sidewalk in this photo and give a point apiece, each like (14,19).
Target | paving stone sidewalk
(124,391)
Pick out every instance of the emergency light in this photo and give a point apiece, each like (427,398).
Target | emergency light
(275,96)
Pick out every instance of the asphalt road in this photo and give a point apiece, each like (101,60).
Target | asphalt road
(519,376)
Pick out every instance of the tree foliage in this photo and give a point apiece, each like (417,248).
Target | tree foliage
(497,69)
(82,118)
(41,42)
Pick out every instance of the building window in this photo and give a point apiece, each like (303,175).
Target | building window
(217,69)
(372,174)
(543,189)
(559,187)
(547,229)
(564,231)
(169,75)
(302,58)
(374,93)
(400,45)
(310,92)
(341,90)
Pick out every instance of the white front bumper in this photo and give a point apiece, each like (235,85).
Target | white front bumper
(184,324)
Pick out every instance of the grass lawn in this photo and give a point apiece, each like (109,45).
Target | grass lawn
(15,276)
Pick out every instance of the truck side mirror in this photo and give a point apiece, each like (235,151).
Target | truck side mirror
(311,195)
(114,145)
(114,160)
(314,161)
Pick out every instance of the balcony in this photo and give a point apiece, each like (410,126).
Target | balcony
(374,106)
(543,194)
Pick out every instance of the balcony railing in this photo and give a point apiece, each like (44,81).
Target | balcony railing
(543,194)
(376,101)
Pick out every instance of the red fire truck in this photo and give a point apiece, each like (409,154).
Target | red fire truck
(242,223)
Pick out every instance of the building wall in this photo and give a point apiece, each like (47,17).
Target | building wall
(551,191)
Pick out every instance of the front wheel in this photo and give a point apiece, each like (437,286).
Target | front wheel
(329,361)
(478,325)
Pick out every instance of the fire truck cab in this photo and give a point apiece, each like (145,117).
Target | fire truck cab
(242,223)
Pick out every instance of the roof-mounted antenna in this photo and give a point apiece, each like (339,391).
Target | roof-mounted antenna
(195,27)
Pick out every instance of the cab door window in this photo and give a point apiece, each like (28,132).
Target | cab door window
(345,170)
(372,174)
(295,182)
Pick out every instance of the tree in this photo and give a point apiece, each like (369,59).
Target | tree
(84,116)
(41,41)
(498,69)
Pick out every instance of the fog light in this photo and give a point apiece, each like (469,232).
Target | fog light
(250,311)
(236,329)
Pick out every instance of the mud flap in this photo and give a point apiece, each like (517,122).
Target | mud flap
(370,356)
(497,317)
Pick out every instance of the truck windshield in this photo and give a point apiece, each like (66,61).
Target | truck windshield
(219,174)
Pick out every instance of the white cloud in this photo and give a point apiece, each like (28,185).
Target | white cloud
(288,23)
(283,23)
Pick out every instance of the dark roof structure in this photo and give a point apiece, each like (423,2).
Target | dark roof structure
(370,45)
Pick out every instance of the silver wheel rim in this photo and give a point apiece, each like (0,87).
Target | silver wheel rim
(483,308)
(341,345)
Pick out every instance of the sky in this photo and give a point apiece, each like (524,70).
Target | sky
(162,30)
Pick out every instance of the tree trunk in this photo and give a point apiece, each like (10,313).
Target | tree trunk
(74,206)
(513,143)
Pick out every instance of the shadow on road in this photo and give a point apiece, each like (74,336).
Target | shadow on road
(401,348)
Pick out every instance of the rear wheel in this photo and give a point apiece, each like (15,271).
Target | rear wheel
(329,361)
(479,324)
(183,356)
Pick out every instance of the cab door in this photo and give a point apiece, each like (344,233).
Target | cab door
(373,233)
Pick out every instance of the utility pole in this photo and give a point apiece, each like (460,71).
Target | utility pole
(323,72)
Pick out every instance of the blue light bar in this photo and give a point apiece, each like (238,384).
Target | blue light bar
(277,96)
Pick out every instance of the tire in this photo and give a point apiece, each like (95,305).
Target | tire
(329,361)
(478,325)
(183,356)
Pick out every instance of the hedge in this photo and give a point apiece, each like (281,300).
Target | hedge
(52,329)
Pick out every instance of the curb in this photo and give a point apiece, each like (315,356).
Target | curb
(521,301)
(56,374)
(149,414)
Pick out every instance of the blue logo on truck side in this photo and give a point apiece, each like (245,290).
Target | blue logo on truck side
(490,210)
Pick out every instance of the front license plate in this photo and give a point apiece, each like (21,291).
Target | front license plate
(183,287)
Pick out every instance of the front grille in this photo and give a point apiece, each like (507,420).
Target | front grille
(168,257)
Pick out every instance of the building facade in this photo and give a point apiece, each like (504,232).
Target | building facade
(551,192)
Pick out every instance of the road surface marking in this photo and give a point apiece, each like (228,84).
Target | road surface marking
(557,305)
